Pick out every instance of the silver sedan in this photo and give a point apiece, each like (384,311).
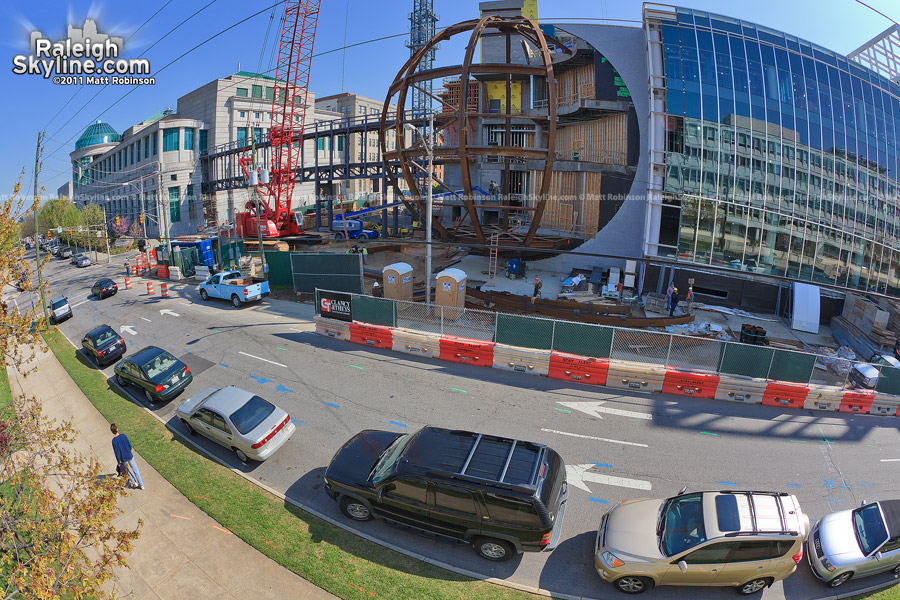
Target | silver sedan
(856,543)
(238,420)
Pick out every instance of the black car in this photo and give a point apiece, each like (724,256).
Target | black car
(499,494)
(154,371)
(104,288)
(104,345)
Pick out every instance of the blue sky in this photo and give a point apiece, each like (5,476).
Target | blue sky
(30,102)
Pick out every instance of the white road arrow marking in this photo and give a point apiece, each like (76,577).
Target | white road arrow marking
(130,329)
(577,475)
(594,409)
(166,311)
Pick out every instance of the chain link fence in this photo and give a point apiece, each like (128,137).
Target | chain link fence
(633,345)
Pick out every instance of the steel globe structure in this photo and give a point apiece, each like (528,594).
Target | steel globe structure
(529,35)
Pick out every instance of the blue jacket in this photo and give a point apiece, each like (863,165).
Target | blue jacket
(122,448)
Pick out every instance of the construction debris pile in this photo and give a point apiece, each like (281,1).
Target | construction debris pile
(864,326)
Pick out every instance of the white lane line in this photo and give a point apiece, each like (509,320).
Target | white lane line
(591,437)
(263,359)
(79,304)
(146,319)
(890,460)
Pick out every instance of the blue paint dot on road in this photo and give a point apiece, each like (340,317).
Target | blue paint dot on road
(298,423)
(155,338)
(846,487)
(332,404)
(796,485)
(726,483)
(224,365)
(283,390)
(398,424)
(260,379)
(604,465)
(598,500)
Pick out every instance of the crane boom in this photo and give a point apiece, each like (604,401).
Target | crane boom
(289,105)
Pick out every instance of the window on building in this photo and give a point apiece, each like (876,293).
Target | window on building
(204,138)
(258,134)
(242,92)
(131,154)
(188,138)
(242,113)
(173,177)
(256,91)
(192,205)
(340,143)
(374,111)
(147,147)
(320,143)
(138,144)
(170,139)
(174,205)
(241,134)
(155,143)
(270,92)
(255,115)
(362,110)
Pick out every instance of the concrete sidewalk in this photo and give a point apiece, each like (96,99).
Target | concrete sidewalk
(182,553)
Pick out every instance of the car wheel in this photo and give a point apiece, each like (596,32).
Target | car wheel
(632,584)
(150,397)
(844,578)
(190,429)
(493,549)
(235,301)
(753,586)
(203,295)
(120,380)
(355,509)
(241,456)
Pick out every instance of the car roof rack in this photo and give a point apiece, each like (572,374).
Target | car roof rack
(515,487)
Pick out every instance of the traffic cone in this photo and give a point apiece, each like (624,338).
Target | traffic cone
(127,282)
(163,290)
(149,288)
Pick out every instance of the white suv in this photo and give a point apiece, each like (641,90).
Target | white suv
(60,310)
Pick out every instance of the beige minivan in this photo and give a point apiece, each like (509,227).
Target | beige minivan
(747,540)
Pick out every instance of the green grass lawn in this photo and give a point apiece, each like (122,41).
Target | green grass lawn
(336,560)
(5,392)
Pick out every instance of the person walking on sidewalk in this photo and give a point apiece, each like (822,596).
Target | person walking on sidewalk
(125,458)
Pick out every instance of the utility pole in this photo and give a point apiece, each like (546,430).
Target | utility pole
(163,213)
(37,205)
(255,195)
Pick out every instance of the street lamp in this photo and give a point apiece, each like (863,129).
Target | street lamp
(429,147)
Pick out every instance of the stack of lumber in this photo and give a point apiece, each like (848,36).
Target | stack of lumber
(870,318)
(893,308)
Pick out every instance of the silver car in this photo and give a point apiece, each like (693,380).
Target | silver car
(238,420)
(856,543)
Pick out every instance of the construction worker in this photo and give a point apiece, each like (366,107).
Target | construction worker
(377,290)
(669,295)
(538,284)
(673,301)
(494,189)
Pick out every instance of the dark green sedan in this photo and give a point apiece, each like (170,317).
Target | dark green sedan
(157,373)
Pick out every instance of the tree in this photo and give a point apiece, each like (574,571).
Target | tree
(136,230)
(58,511)
(120,226)
(27,225)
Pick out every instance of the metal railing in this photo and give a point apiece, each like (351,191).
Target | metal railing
(657,348)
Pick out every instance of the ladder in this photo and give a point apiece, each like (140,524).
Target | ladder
(492,261)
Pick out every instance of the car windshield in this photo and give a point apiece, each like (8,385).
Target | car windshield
(249,416)
(681,524)
(869,526)
(158,364)
(388,458)
(105,336)
(59,304)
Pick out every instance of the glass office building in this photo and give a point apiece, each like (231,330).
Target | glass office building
(772,154)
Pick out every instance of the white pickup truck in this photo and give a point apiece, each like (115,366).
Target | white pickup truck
(231,285)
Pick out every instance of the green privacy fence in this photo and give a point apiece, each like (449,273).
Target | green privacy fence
(617,343)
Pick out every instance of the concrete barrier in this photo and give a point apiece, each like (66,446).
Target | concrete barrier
(884,404)
(467,351)
(572,367)
(333,328)
(522,360)
(824,397)
(376,336)
(417,343)
(635,376)
(857,401)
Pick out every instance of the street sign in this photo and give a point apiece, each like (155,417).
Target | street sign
(98,234)
(79,229)
(59,230)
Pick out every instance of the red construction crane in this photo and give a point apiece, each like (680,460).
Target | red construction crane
(289,103)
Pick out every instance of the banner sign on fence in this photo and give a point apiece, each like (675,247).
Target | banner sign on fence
(336,305)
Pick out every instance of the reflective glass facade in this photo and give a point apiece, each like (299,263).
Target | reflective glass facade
(780,156)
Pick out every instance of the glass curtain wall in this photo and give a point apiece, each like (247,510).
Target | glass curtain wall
(781,155)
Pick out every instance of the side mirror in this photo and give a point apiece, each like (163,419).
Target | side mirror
(863,503)
(879,556)
(682,566)
(380,493)
(681,491)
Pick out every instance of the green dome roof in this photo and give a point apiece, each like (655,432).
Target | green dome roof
(98,133)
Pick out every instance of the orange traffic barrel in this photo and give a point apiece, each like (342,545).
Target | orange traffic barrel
(127,282)
(163,290)
(149,288)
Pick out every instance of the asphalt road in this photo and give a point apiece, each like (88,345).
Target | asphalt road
(620,444)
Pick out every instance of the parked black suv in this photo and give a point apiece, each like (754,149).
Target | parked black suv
(499,494)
